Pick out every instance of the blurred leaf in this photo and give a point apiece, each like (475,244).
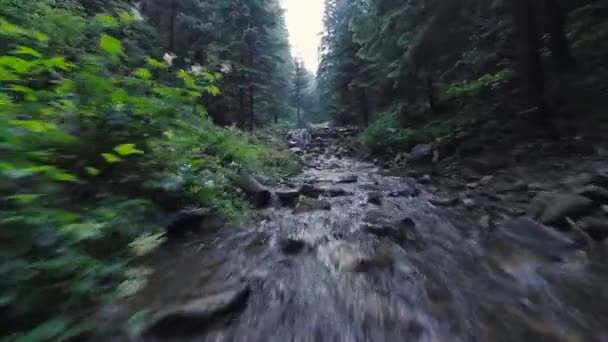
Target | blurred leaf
(127,149)
(92,171)
(146,242)
(110,45)
(107,21)
(24,50)
(110,158)
(143,73)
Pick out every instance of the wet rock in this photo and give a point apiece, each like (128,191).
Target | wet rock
(536,236)
(596,227)
(516,186)
(310,191)
(288,198)
(420,153)
(486,165)
(384,225)
(553,207)
(347,257)
(469,203)
(577,181)
(292,246)
(594,192)
(409,192)
(347,179)
(198,315)
(425,179)
(486,179)
(187,221)
(336,192)
(605,209)
(538,186)
(374,198)
(306,205)
(443,201)
(485,222)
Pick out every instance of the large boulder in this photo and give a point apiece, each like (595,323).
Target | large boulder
(347,257)
(292,246)
(310,191)
(421,153)
(594,192)
(335,192)
(384,224)
(195,316)
(288,197)
(308,205)
(595,226)
(346,179)
(554,207)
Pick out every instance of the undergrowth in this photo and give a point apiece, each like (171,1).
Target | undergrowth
(97,138)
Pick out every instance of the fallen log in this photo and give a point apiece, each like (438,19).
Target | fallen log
(259,195)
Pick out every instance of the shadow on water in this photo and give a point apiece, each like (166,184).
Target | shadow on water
(352,278)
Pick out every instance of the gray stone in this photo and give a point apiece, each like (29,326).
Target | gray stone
(306,205)
(335,192)
(409,192)
(292,246)
(485,221)
(347,179)
(421,152)
(374,198)
(383,224)
(195,316)
(596,227)
(310,191)
(551,208)
(469,203)
(443,201)
(594,192)
(346,257)
(288,197)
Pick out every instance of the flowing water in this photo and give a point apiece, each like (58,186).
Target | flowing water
(448,280)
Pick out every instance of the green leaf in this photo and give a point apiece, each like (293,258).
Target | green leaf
(110,45)
(146,242)
(127,149)
(92,171)
(24,50)
(212,90)
(143,73)
(107,21)
(156,63)
(34,125)
(62,176)
(110,158)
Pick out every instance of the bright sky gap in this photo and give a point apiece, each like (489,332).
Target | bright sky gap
(304,20)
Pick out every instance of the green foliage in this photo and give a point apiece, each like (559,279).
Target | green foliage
(475,86)
(95,138)
(384,135)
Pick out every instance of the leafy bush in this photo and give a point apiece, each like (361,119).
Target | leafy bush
(475,86)
(384,135)
(91,148)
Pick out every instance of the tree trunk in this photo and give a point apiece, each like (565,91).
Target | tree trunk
(430,93)
(528,38)
(172,14)
(251,105)
(364,107)
(259,196)
(558,43)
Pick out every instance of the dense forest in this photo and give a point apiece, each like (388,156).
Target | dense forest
(119,115)
(444,71)
(111,114)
